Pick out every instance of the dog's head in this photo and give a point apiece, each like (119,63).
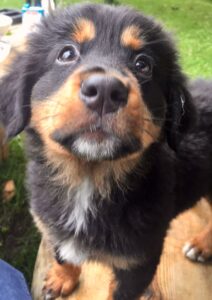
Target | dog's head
(99,83)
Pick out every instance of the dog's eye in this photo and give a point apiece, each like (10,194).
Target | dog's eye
(68,54)
(143,65)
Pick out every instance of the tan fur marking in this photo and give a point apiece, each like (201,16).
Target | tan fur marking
(117,169)
(151,132)
(62,279)
(130,37)
(136,119)
(112,287)
(84,31)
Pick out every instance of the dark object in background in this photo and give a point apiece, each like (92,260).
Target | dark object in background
(13,13)
(114,2)
(37,2)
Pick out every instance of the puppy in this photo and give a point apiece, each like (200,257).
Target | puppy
(116,146)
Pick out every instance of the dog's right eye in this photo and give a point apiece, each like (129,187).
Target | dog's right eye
(68,54)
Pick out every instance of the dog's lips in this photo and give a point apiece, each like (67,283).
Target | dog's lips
(97,140)
(94,132)
(98,135)
(96,129)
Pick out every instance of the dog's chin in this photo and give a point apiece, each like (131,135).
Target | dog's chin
(95,148)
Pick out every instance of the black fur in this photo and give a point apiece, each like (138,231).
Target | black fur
(173,173)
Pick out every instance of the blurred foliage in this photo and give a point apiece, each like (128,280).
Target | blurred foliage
(19,239)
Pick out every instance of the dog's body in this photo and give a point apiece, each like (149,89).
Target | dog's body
(116,146)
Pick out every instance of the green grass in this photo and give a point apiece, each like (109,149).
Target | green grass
(11,3)
(190,21)
(18,237)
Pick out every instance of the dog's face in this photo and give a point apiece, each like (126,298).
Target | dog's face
(98,83)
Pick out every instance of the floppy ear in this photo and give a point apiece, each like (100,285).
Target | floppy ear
(15,92)
(181,114)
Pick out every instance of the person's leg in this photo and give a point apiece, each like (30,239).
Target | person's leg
(12,283)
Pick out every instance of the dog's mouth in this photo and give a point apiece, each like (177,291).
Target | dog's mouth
(97,141)
(98,135)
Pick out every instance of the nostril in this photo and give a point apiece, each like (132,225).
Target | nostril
(103,94)
(91,93)
(115,96)
(119,95)
(89,90)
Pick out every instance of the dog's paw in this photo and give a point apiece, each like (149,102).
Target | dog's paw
(151,294)
(60,281)
(199,249)
(195,252)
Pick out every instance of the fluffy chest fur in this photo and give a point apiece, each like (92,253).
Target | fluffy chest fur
(83,224)
(82,203)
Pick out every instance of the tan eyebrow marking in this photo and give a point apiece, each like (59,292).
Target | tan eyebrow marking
(130,37)
(84,31)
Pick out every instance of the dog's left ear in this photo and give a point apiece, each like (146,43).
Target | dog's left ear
(15,93)
(181,114)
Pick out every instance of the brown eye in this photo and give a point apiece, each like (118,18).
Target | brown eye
(68,54)
(143,65)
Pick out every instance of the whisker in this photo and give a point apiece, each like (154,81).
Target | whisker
(154,119)
(174,123)
(161,107)
(48,117)
(156,41)
(145,81)
(150,134)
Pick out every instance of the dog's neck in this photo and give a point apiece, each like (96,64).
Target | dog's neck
(72,171)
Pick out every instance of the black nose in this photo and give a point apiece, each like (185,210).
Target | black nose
(103,94)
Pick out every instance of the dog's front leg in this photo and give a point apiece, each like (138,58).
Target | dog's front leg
(131,284)
(61,280)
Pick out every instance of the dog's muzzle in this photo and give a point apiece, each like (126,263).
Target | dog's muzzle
(103,94)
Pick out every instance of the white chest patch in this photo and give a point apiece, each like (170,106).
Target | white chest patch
(83,203)
(71,253)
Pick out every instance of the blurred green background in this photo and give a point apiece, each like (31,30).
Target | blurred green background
(191,23)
